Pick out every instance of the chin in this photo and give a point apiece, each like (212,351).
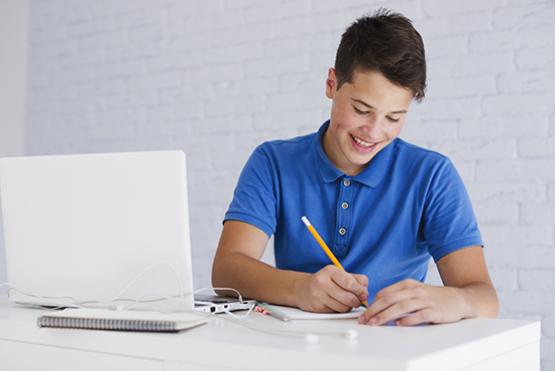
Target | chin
(365,161)
(358,160)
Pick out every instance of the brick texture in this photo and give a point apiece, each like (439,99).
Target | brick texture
(215,78)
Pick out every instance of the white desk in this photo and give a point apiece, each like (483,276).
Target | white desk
(477,344)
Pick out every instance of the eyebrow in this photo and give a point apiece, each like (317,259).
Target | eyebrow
(372,107)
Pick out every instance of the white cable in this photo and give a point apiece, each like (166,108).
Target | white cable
(309,338)
(53,299)
(150,267)
(163,297)
(242,317)
(118,297)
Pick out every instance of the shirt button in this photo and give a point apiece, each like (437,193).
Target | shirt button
(346,182)
(342,231)
(345,205)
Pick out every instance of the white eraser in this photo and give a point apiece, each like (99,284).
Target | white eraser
(351,334)
(305,221)
(311,339)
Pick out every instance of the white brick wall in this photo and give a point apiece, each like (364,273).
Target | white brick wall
(215,78)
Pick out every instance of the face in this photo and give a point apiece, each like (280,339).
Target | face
(366,115)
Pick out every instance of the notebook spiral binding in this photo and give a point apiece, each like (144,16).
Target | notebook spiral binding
(107,324)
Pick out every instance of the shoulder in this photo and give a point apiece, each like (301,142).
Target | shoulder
(410,150)
(412,155)
(424,166)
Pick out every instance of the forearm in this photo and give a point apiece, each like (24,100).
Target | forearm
(480,299)
(255,279)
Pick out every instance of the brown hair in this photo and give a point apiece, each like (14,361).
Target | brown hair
(386,42)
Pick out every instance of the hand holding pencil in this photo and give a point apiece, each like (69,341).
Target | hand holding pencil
(332,288)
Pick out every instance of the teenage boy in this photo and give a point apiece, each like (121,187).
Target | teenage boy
(384,206)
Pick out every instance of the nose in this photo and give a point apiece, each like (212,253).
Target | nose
(372,127)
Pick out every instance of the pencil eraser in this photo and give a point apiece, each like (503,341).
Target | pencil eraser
(305,221)
(351,334)
(311,339)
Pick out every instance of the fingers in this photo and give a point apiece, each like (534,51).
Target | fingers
(410,302)
(384,302)
(337,290)
(345,298)
(401,285)
(336,305)
(395,301)
(355,284)
(417,318)
(393,312)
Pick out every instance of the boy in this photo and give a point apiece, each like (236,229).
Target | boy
(383,206)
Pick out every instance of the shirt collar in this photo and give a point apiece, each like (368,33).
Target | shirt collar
(372,174)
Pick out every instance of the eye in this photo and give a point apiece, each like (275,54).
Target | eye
(360,112)
(391,119)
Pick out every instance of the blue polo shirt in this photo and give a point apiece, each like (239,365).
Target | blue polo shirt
(408,204)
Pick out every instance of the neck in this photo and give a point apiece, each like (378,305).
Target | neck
(334,155)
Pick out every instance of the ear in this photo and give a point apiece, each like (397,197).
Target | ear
(331,83)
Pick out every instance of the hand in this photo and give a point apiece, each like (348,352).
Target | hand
(331,290)
(411,302)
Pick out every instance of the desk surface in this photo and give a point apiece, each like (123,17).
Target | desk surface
(223,343)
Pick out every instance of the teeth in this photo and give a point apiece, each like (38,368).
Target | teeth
(361,142)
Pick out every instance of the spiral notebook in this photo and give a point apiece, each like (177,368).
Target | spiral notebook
(121,320)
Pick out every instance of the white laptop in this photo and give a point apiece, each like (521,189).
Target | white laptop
(95,227)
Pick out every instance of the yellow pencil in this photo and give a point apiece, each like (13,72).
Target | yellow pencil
(326,248)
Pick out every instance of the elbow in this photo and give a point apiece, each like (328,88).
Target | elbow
(494,311)
(481,300)
(217,275)
(491,310)
(222,276)
(221,272)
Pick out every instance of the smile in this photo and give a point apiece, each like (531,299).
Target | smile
(362,145)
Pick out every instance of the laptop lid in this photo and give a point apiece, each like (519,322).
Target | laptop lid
(88,226)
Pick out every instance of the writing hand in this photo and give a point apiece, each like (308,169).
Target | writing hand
(331,290)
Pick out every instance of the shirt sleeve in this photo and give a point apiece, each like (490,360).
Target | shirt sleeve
(254,199)
(449,221)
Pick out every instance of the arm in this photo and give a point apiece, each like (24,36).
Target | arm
(237,264)
(468,292)
(466,272)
